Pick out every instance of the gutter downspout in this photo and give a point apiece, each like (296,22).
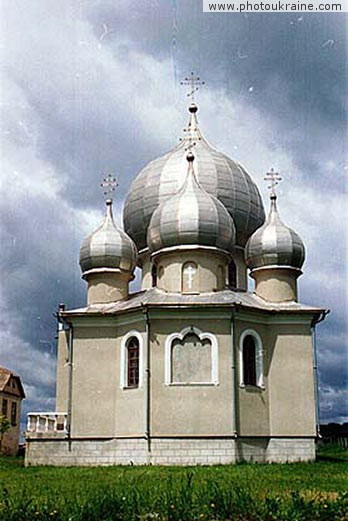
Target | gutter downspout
(70,380)
(316,320)
(67,326)
(148,384)
(234,376)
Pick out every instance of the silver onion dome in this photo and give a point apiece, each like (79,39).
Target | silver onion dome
(219,175)
(191,218)
(274,244)
(108,247)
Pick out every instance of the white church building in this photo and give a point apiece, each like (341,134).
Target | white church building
(194,368)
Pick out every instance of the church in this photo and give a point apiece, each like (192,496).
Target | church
(195,368)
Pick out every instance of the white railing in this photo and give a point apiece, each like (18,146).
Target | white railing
(47,422)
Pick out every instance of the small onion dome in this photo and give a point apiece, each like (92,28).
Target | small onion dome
(219,175)
(274,244)
(191,218)
(108,247)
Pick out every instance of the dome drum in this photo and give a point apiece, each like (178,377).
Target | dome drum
(107,285)
(276,284)
(192,271)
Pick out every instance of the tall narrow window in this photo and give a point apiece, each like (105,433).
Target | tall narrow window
(249,361)
(190,277)
(154,275)
(232,275)
(13,413)
(132,362)
(4,407)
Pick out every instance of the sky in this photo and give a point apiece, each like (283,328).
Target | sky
(93,87)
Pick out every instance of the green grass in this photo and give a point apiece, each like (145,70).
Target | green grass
(332,451)
(245,492)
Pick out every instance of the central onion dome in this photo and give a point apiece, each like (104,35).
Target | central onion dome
(108,248)
(216,173)
(191,218)
(274,244)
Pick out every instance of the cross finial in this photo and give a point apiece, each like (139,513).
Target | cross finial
(274,178)
(194,82)
(109,185)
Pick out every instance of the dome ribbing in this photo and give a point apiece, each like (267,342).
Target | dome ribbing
(108,247)
(219,175)
(191,218)
(274,244)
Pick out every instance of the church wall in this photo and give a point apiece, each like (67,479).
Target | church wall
(191,409)
(130,412)
(253,402)
(291,382)
(93,395)
(100,407)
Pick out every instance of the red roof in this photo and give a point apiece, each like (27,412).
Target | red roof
(5,376)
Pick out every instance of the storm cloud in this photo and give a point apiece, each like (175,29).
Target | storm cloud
(92,87)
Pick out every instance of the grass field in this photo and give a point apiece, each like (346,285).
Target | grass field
(333,452)
(248,492)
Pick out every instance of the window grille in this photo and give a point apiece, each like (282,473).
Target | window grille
(133,362)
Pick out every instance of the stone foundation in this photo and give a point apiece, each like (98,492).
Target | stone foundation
(275,450)
(166,451)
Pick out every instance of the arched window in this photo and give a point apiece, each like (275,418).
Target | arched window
(191,357)
(251,359)
(189,282)
(154,275)
(232,275)
(131,360)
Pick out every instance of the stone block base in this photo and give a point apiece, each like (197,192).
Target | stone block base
(166,451)
(275,450)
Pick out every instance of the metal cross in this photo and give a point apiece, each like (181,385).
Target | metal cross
(194,82)
(274,179)
(109,184)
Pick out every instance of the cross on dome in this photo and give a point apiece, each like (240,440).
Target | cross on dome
(193,134)
(109,185)
(194,82)
(274,178)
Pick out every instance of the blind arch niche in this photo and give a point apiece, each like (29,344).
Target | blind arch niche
(191,358)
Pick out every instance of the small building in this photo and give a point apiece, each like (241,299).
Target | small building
(11,395)
(196,368)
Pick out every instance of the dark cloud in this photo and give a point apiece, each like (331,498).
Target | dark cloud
(89,88)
